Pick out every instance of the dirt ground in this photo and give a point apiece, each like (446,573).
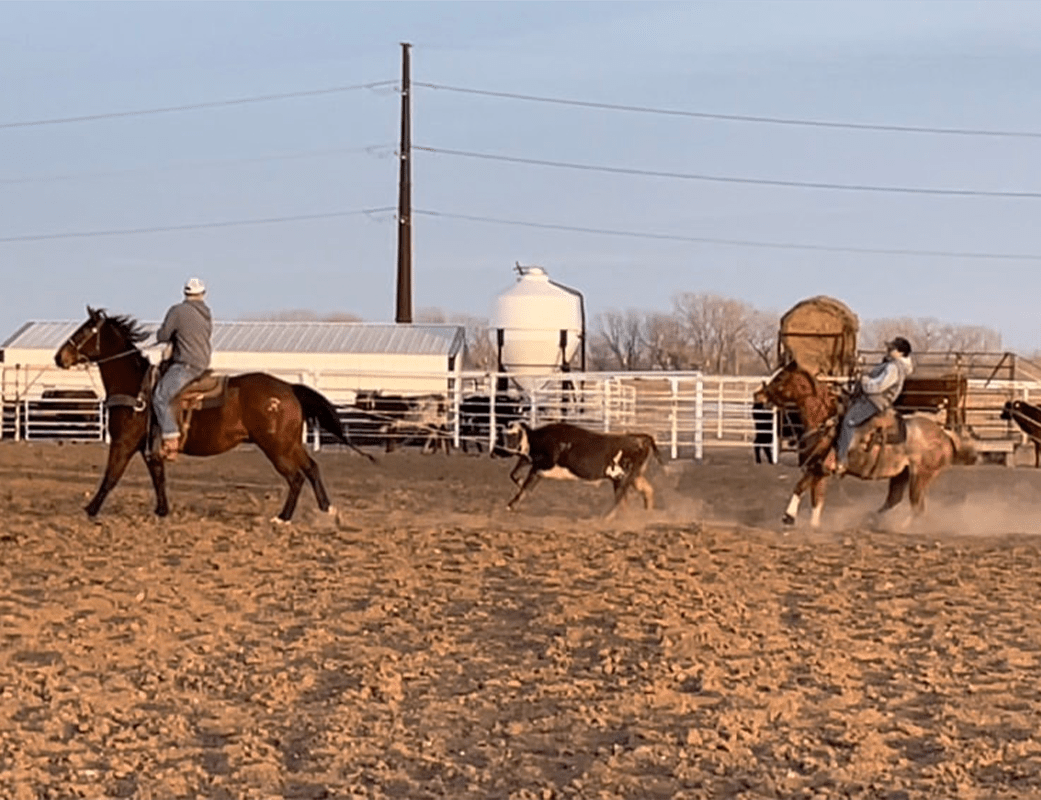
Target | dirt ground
(424,643)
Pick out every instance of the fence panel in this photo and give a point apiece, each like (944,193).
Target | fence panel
(687,413)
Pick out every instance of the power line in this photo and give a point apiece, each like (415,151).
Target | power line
(732,242)
(526,224)
(375,150)
(263,98)
(728,179)
(816,123)
(39,237)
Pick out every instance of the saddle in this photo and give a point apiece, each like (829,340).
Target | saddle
(206,391)
(889,427)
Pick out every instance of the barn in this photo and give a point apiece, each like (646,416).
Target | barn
(340,359)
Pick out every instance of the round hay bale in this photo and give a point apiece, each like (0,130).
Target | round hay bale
(820,335)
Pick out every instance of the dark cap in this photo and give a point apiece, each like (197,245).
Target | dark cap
(901,345)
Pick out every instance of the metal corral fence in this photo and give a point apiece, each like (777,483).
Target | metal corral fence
(686,412)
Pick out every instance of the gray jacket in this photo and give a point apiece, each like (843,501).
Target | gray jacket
(884,383)
(188,326)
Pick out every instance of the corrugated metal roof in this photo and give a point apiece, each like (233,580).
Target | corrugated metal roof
(284,337)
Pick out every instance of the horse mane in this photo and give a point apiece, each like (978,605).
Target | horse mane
(815,400)
(128,327)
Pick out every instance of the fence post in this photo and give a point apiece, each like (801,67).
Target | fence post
(775,437)
(719,409)
(674,418)
(699,418)
(493,383)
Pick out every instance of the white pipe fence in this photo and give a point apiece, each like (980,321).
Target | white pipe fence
(687,412)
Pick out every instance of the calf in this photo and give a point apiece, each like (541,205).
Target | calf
(560,450)
(1028,418)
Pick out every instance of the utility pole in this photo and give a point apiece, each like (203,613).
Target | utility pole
(404,305)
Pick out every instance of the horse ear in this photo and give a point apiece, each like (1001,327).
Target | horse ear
(95,313)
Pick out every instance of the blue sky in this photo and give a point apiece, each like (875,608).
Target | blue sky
(935,65)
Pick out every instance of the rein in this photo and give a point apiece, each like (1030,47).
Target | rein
(124,354)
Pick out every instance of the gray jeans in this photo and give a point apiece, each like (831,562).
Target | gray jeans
(176,378)
(859,412)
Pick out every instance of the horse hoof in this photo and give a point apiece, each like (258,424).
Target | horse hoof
(279,521)
(788,520)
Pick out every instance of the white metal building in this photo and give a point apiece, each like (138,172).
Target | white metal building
(338,358)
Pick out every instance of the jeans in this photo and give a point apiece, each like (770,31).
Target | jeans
(860,411)
(176,378)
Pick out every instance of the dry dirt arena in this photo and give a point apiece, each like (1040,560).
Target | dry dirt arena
(425,643)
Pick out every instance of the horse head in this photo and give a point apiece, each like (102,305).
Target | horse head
(101,338)
(793,384)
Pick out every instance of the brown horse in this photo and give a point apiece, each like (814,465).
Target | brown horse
(912,464)
(258,408)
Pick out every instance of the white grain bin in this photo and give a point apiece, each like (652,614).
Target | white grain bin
(539,327)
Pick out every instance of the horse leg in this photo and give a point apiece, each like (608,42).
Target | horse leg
(897,487)
(119,454)
(817,490)
(1037,454)
(291,465)
(157,471)
(920,481)
(792,511)
(314,475)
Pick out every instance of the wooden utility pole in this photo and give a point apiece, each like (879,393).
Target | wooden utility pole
(404,306)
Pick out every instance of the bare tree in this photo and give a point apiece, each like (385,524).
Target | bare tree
(761,337)
(716,327)
(927,334)
(665,342)
(619,334)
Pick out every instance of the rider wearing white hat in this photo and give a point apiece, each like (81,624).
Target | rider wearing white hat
(188,328)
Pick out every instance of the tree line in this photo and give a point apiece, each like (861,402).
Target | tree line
(718,335)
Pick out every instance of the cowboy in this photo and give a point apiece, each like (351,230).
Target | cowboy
(875,394)
(187,328)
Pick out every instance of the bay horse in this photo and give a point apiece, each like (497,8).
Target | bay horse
(258,408)
(910,465)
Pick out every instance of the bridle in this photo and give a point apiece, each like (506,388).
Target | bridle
(95,333)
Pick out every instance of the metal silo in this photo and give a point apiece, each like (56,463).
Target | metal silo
(539,327)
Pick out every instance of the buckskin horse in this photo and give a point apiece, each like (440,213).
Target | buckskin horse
(257,408)
(910,465)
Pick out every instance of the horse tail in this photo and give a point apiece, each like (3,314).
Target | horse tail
(317,408)
(964,452)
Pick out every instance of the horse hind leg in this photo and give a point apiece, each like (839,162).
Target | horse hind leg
(919,483)
(897,487)
(314,475)
(291,465)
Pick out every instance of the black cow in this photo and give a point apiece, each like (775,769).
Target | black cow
(1028,418)
(561,450)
